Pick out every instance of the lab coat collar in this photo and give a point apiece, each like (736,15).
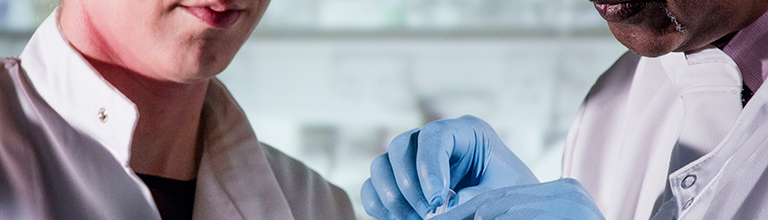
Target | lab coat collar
(73,88)
(674,63)
(234,160)
(234,169)
(740,158)
(740,155)
(707,168)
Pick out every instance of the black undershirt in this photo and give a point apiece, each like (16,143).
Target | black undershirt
(746,94)
(174,198)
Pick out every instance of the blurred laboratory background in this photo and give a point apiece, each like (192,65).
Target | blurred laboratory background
(331,82)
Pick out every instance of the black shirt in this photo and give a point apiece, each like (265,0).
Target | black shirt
(174,198)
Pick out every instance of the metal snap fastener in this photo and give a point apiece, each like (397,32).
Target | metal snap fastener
(688,181)
(103,115)
(688,204)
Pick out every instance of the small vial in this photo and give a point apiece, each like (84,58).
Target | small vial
(443,208)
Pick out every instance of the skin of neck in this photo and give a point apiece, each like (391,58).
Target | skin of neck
(167,139)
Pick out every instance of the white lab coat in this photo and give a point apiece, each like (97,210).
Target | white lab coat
(620,144)
(65,136)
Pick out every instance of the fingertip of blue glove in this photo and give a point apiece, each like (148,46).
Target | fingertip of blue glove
(440,209)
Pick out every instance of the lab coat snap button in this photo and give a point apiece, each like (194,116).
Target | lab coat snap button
(103,115)
(688,204)
(688,181)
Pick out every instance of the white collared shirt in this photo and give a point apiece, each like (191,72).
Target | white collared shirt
(65,137)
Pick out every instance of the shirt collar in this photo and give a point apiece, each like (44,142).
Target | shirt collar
(73,88)
(749,49)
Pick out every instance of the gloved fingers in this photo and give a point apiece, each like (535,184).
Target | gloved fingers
(375,208)
(505,169)
(489,211)
(526,214)
(467,210)
(402,156)
(465,194)
(436,143)
(385,186)
(455,153)
(507,200)
(552,209)
(548,210)
(570,191)
(470,132)
(372,203)
(564,198)
(507,208)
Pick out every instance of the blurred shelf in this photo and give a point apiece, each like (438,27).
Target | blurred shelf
(399,33)
(396,33)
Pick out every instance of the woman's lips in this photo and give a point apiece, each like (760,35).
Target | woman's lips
(217,19)
(615,12)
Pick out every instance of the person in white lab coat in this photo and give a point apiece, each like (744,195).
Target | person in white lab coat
(679,135)
(113,111)
(673,130)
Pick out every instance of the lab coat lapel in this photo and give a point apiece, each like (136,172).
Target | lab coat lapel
(739,190)
(629,121)
(709,83)
(235,180)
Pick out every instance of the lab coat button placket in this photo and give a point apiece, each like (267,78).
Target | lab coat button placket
(688,181)
(103,115)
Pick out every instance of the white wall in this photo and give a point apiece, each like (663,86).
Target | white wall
(336,104)
(331,82)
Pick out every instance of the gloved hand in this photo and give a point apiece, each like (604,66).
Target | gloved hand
(415,176)
(559,199)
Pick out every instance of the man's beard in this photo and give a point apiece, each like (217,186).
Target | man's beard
(678,26)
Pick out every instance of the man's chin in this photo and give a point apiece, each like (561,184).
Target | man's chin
(190,74)
(649,51)
(648,44)
(197,77)
(199,71)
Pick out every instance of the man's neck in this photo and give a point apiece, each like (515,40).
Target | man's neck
(167,139)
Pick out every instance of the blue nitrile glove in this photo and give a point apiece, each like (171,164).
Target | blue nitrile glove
(415,176)
(559,199)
